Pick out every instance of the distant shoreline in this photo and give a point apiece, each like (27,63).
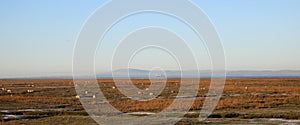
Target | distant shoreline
(230,77)
(139,73)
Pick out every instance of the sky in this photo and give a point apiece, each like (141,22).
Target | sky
(38,37)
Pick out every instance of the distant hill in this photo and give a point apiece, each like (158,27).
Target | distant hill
(138,73)
(264,73)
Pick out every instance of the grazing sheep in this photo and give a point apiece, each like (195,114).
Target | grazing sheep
(85,96)
(139,93)
(151,94)
(30,91)
(30,85)
(3,89)
(8,91)
(147,89)
(113,87)
(172,91)
(86,92)
(246,88)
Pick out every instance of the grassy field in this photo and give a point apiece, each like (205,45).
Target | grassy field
(244,100)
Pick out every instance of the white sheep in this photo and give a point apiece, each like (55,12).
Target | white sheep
(147,89)
(113,87)
(139,93)
(246,88)
(30,91)
(8,91)
(94,96)
(151,94)
(30,85)
(77,97)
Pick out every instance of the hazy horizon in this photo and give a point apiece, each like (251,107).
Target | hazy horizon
(171,73)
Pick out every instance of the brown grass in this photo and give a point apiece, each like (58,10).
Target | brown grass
(269,96)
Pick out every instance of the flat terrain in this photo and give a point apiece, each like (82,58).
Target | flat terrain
(244,101)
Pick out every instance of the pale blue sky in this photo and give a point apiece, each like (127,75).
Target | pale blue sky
(37,37)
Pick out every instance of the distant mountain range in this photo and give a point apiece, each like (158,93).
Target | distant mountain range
(138,73)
